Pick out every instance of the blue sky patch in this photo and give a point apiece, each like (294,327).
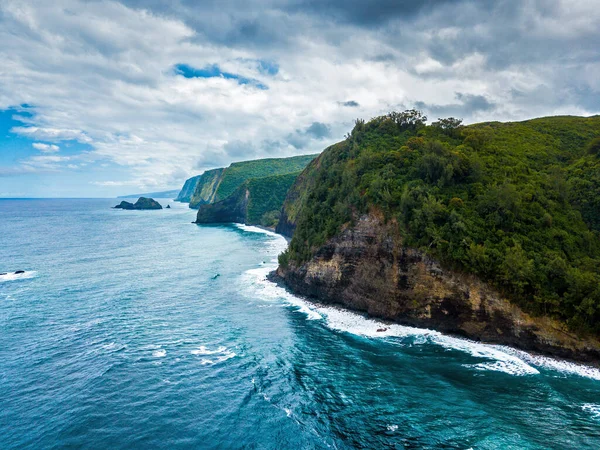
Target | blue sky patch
(268,67)
(213,71)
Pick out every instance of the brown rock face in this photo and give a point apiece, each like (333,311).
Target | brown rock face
(369,270)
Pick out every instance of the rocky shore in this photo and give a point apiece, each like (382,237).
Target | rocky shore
(368,269)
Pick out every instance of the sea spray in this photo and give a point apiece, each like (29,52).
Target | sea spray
(502,358)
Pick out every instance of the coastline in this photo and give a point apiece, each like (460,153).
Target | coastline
(517,346)
(528,356)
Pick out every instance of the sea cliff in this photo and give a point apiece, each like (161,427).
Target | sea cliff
(487,231)
(368,269)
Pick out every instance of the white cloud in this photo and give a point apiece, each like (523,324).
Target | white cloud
(45,148)
(100,73)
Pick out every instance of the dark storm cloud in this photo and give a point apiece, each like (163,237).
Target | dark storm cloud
(350,104)
(506,32)
(318,130)
(367,13)
(301,138)
(467,106)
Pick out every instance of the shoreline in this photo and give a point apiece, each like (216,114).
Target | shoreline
(274,277)
(277,279)
(551,361)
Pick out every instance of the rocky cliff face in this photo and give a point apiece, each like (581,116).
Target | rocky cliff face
(188,189)
(368,269)
(206,188)
(232,209)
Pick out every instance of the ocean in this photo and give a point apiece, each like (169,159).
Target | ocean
(139,329)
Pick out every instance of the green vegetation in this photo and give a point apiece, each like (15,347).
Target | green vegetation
(257,201)
(266,198)
(237,173)
(219,184)
(206,187)
(518,204)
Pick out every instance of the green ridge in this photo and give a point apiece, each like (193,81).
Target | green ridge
(517,204)
(218,184)
(239,172)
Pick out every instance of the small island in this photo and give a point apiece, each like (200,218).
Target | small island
(142,203)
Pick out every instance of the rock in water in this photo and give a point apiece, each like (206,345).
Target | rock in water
(19,272)
(124,205)
(147,203)
(142,203)
(168,206)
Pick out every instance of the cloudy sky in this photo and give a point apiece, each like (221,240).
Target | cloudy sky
(102,98)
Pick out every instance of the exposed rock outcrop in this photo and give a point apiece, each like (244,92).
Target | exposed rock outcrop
(186,192)
(367,268)
(142,203)
(232,209)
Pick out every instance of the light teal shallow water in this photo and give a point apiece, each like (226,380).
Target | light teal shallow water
(119,335)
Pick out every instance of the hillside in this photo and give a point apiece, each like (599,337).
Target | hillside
(186,192)
(218,184)
(435,210)
(257,201)
(206,188)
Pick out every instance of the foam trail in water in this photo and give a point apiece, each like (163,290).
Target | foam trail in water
(501,358)
(222,351)
(202,350)
(17,276)
(350,322)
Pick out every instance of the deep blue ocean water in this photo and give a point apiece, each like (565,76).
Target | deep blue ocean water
(138,329)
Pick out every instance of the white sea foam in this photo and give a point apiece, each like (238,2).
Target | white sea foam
(260,287)
(593,409)
(17,276)
(202,350)
(501,358)
(347,321)
(159,353)
(253,229)
(220,359)
(392,427)
(498,358)
(506,367)
(222,352)
(556,365)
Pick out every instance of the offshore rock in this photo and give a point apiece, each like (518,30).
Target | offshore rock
(142,203)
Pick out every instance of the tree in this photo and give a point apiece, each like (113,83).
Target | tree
(448,126)
(594,146)
(411,119)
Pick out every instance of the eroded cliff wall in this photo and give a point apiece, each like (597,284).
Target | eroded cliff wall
(367,268)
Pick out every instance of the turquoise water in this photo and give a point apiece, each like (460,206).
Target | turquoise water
(138,329)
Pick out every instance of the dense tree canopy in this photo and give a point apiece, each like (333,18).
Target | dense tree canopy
(518,204)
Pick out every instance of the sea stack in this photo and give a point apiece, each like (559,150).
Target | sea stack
(142,203)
